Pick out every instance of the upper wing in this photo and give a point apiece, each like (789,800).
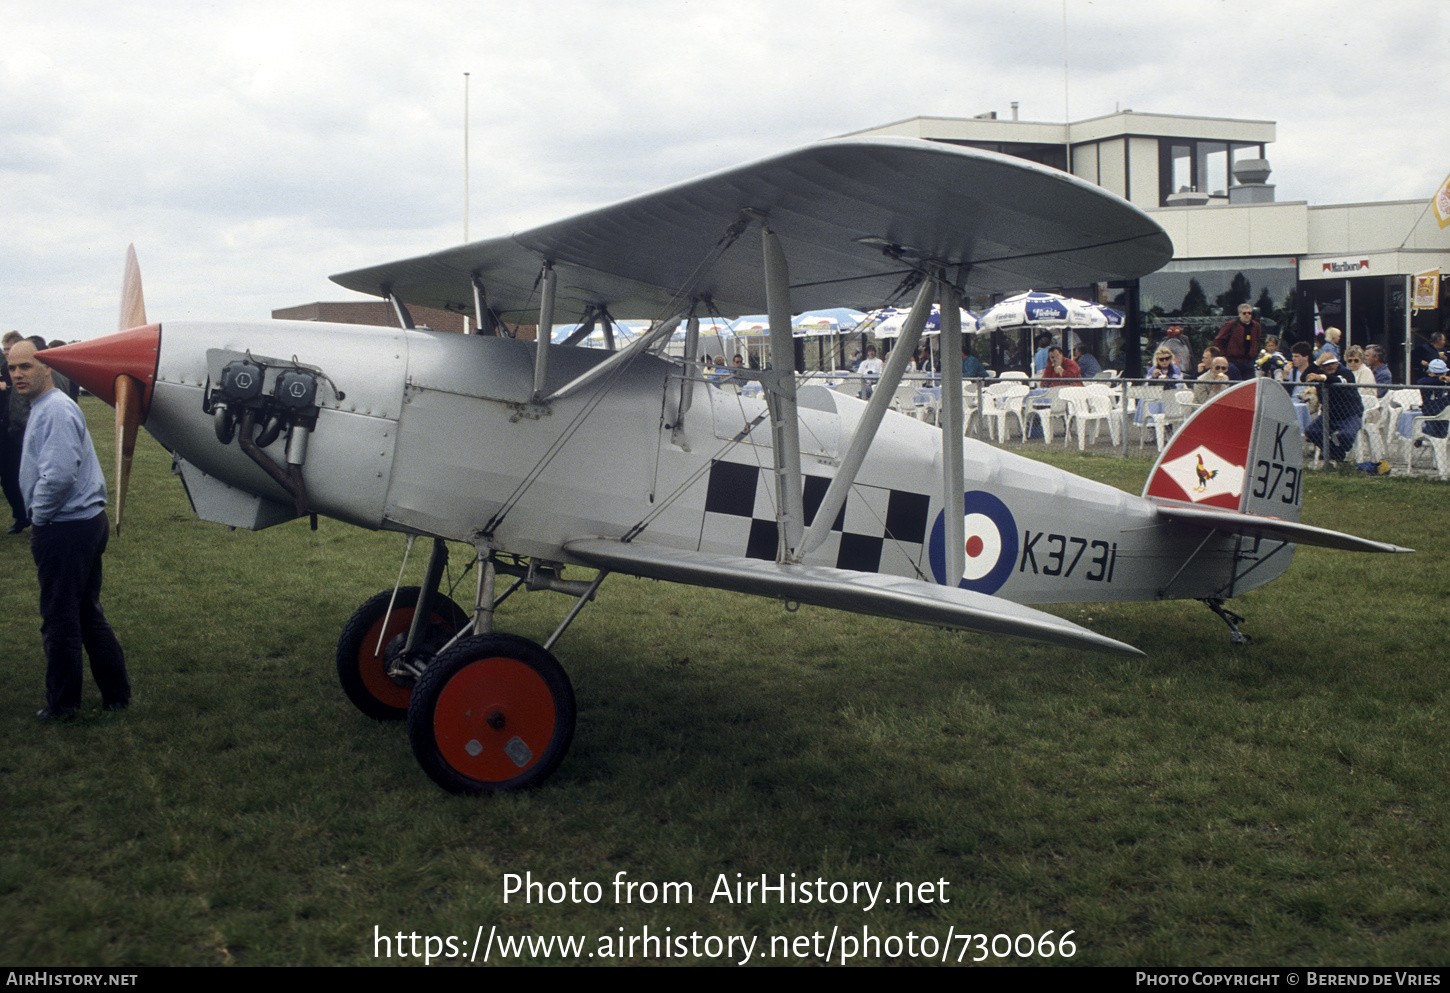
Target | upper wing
(841,589)
(838,206)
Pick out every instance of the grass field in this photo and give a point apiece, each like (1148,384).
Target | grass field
(1284,803)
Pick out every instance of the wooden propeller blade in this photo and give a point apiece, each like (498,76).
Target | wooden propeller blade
(128,418)
(133,307)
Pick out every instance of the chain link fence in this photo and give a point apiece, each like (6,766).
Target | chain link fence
(1389,425)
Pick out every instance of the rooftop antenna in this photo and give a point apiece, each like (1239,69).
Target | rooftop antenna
(1066,114)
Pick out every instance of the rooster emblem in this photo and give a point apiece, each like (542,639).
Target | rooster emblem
(1204,475)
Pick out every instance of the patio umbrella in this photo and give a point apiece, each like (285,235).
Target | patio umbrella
(624,332)
(755,324)
(1047,310)
(887,322)
(844,316)
(1033,311)
(814,325)
(887,317)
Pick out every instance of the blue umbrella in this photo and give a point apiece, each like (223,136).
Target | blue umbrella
(887,323)
(1047,310)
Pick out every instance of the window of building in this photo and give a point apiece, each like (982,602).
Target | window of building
(1187,164)
(1212,167)
(1178,163)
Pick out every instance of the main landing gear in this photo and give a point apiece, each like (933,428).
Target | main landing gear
(376,673)
(486,711)
(494,712)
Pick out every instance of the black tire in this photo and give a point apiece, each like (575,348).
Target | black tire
(493,713)
(361,669)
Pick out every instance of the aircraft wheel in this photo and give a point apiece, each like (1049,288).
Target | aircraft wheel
(495,712)
(362,669)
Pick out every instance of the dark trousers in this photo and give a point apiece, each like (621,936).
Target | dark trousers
(68,558)
(10,474)
(1342,435)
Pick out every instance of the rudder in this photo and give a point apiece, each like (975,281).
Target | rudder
(1241,451)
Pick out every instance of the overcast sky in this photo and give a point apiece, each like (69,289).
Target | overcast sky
(251,149)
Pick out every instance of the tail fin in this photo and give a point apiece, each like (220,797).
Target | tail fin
(1237,466)
(1241,451)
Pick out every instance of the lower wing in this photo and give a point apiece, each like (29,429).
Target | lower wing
(841,589)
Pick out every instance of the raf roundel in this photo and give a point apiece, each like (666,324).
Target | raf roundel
(990,534)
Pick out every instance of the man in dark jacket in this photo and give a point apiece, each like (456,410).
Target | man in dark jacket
(1340,403)
(1426,352)
(1435,396)
(13,410)
(1239,341)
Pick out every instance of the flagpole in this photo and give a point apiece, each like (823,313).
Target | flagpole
(465,158)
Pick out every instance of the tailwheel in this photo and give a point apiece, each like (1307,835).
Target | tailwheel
(495,712)
(1235,636)
(363,670)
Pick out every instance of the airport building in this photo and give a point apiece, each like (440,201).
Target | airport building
(1205,179)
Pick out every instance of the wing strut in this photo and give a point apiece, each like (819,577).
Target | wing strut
(585,329)
(616,359)
(405,319)
(780,398)
(544,339)
(835,497)
(484,319)
(689,376)
(952,432)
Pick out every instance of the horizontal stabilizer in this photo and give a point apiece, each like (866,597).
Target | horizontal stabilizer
(1254,526)
(840,589)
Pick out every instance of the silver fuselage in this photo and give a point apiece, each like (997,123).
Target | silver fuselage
(437,434)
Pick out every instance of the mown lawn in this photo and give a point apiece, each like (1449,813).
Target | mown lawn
(1282,803)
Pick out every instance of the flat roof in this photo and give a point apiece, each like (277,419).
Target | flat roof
(1118,124)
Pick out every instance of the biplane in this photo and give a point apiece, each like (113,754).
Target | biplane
(539,457)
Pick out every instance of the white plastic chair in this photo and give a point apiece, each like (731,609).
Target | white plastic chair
(1370,443)
(1091,405)
(1437,445)
(969,404)
(926,403)
(1139,393)
(1044,407)
(1397,402)
(904,402)
(1164,421)
(1001,400)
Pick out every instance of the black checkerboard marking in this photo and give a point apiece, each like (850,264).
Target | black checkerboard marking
(877,530)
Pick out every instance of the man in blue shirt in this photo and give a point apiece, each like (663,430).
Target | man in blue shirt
(61,481)
(1374,357)
(1086,362)
(1039,357)
(972,367)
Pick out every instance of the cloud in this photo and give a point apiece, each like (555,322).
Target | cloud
(251,148)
